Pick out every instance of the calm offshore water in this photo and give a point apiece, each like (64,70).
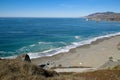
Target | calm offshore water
(48,36)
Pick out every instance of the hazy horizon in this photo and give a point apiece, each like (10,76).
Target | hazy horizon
(56,8)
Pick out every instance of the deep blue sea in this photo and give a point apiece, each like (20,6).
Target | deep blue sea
(48,36)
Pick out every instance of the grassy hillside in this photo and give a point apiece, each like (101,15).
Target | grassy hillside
(14,69)
(96,75)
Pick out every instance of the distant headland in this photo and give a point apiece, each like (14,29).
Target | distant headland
(107,16)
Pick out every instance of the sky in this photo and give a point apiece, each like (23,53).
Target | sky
(56,8)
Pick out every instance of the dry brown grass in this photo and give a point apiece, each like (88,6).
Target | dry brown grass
(101,75)
(71,67)
(96,75)
(14,69)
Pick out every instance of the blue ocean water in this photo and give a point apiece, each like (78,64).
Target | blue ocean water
(47,36)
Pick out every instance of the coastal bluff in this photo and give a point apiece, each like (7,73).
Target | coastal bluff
(107,16)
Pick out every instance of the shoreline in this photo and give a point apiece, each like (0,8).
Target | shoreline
(72,46)
(90,55)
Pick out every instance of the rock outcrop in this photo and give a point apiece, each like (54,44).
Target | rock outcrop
(24,57)
(27,58)
(110,64)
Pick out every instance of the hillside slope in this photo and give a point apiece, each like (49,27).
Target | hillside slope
(108,16)
(13,69)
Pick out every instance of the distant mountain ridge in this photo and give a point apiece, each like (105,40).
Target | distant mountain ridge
(108,16)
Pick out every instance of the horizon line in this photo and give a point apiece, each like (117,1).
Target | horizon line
(40,17)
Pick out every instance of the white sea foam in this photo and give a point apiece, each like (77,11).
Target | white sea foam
(32,45)
(47,53)
(52,43)
(77,37)
(62,43)
(89,41)
(52,52)
(41,42)
(10,57)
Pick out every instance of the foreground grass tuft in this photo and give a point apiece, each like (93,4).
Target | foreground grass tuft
(13,69)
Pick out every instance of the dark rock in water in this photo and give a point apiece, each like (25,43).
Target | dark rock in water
(27,58)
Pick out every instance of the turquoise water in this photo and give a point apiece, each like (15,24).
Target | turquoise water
(47,36)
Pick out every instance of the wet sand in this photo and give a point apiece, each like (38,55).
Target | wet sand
(90,55)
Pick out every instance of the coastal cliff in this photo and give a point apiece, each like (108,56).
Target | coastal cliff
(107,16)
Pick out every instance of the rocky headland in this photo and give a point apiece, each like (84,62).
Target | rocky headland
(107,16)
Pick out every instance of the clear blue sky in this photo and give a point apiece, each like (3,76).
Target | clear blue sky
(56,8)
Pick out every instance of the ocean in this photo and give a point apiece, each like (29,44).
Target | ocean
(40,37)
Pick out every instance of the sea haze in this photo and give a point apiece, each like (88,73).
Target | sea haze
(48,36)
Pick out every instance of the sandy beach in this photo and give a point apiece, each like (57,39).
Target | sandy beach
(92,55)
